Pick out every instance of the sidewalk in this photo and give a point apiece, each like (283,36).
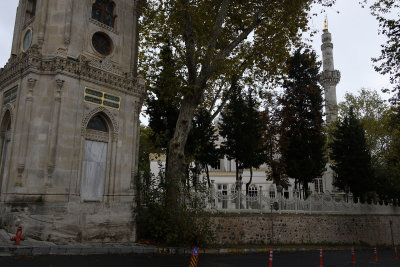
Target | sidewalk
(33,247)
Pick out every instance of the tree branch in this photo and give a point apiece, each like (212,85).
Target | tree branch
(188,36)
(257,20)
(216,97)
(218,28)
(234,80)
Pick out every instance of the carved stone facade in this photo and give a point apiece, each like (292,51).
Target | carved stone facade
(58,79)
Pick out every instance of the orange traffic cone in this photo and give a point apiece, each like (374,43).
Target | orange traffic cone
(395,254)
(320,258)
(353,258)
(271,252)
(375,255)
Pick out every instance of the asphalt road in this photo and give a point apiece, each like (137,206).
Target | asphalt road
(296,259)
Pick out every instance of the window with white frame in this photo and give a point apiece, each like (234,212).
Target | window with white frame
(272,192)
(233,193)
(253,191)
(318,185)
(285,193)
(223,195)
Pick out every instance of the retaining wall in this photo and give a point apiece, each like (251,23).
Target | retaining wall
(71,222)
(250,228)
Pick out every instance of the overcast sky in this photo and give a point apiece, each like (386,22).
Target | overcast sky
(354,36)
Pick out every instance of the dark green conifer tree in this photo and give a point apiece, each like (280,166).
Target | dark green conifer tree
(254,153)
(231,128)
(201,148)
(164,99)
(242,130)
(351,157)
(302,139)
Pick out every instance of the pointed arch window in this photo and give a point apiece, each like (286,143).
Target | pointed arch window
(103,11)
(97,124)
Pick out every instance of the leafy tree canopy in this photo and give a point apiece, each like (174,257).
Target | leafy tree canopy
(374,114)
(387,13)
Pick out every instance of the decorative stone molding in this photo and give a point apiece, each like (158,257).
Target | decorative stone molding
(62,52)
(60,83)
(31,85)
(106,65)
(103,26)
(326,45)
(68,23)
(34,50)
(31,82)
(111,118)
(20,170)
(114,137)
(75,67)
(97,136)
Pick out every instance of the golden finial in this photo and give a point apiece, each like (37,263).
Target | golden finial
(326,23)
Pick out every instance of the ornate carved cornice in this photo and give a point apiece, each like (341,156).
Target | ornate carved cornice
(74,67)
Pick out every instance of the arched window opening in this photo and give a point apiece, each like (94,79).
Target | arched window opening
(94,167)
(103,11)
(97,123)
(5,148)
(31,9)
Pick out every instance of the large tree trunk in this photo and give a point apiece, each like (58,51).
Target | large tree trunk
(250,180)
(176,169)
(208,177)
(305,188)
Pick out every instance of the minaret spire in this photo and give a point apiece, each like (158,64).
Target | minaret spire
(329,77)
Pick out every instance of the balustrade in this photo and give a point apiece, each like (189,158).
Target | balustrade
(239,201)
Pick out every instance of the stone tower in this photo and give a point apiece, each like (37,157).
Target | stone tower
(329,77)
(69,122)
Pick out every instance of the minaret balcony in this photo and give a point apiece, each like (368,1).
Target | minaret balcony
(329,78)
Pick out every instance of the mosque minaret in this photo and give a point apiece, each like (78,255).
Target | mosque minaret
(329,77)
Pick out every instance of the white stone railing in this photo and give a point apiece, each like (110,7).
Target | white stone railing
(315,203)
